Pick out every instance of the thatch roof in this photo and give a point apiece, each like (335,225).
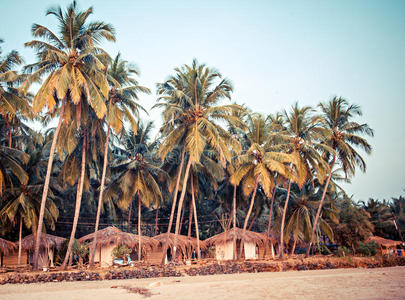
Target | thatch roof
(6,246)
(112,235)
(47,241)
(383,242)
(227,236)
(182,241)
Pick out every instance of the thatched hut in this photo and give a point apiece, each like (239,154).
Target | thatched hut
(386,246)
(110,237)
(5,248)
(185,246)
(48,244)
(224,246)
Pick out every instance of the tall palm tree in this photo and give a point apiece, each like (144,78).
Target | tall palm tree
(342,135)
(74,67)
(302,139)
(191,108)
(11,100)
(121,106)
(259,163)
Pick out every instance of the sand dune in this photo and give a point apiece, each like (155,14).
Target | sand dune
(382,283)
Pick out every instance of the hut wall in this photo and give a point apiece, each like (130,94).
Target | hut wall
(154,256)
(250,251)
(224,251)
(106,255)
(12,258)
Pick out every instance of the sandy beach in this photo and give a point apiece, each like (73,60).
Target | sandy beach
(381,283)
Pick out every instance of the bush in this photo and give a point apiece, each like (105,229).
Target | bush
(121,251)
(342,251)
(367,249)
(321,248)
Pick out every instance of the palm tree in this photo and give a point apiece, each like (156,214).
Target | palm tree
(121,105)
(303,206)
(258,164)
(11,161)
(138,178)
(190,99)
(11,101)
(342,135)
(22,201)
(74,68)
(302,135)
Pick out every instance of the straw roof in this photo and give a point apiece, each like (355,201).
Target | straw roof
(383,242)
(227,236)
(112,235)
(6,246)
(47,241)
(182,241)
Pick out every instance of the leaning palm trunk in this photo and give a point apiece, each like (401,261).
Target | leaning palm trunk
(235,253)
(283,220)
(100,200)
(46,186)
(252,201)
(318,213)
(139,229)
(270,215)
(176,191)
(190,219)
(197,233)
(78,203)
(19,242)
(183,193)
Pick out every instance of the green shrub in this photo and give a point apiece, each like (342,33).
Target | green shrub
(342,251)
(367,249)
(121,251)
(321,248)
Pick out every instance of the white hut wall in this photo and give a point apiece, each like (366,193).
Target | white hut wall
(106,255)
(224,251)
(250,251)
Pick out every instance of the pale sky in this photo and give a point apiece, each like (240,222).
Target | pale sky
(274,52)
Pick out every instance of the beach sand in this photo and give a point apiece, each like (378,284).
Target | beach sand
(381,283)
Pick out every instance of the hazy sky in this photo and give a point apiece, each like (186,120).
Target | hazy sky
(275,53)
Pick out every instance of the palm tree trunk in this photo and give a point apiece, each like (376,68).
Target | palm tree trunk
(183,193)
(235,253)
(270,215)
(252,222)
(100,200)
(176,191)
(293,247)
(46,186)
(78,200)
(283,220)
(19,241)
(318,213)
(181,220)
(190,218)
(156,220)
(197,232)
(252,201)
(139,229)
(129,217)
